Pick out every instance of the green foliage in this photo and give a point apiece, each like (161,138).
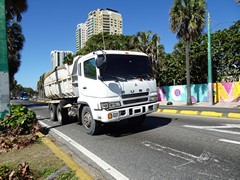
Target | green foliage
(4,171)
(40,85)
(23,172)
(67,175)
(15,38)
(45,172)
(21,118)
(187,18)
(225,45)
(226,54)
(68,59)
(113,42)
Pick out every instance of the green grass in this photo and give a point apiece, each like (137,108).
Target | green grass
(41,160)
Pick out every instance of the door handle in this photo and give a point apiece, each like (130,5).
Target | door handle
(84,87)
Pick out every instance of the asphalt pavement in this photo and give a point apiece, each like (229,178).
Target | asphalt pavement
(157,139)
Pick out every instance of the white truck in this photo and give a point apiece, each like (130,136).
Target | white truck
(102,87)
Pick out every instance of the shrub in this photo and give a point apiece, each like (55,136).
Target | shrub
(18,129)
(20,120)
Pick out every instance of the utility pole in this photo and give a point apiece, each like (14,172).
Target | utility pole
(210,88)
(4,73)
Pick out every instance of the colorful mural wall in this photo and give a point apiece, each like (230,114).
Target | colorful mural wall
(223,92)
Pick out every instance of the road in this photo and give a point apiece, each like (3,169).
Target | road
(166,146)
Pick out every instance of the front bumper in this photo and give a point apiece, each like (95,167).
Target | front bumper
(124,113)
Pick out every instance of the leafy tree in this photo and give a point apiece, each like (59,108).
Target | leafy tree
(15,8)
(199,60)
(68,59)
(113,42)
(142,41)
(187,19)
(15,38)
(226,54)
(40,86)
(16,88)
(149,44)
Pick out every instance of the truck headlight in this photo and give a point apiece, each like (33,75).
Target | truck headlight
(153,98)
(110,105)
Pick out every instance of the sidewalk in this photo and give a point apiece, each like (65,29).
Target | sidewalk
(205,104)
(222,109)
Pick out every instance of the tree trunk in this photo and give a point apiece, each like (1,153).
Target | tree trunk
(189,100)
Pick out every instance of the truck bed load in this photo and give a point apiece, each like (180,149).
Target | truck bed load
(58,83)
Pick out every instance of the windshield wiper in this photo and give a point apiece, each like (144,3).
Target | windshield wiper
(143,76)
(117,78)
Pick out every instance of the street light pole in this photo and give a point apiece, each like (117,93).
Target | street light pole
(210,88)
(4,73)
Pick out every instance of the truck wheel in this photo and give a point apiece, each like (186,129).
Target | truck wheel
(137,121)
(52,111)
(62,114)
(91,126)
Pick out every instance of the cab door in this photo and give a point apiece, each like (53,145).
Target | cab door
(88,79)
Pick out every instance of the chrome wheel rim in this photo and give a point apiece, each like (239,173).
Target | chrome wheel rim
(87,120)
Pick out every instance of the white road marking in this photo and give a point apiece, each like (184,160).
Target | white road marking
(176,153)
(218,128)
(206,159)
(108,168)
(225,131)
(229,141)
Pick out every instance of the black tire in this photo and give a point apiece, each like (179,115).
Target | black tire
(137,121)
(62,114)
(91,126)
(52,111)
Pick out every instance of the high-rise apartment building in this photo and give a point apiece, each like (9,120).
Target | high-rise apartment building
(98,21)
(81,36)
(58,57)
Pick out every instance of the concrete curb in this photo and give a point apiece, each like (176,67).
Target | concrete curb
(80,173)
(229,115)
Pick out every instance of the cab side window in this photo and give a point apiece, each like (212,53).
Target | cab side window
(90,69)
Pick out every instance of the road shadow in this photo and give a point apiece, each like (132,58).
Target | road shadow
(45,130)
(124,128)
(37,104)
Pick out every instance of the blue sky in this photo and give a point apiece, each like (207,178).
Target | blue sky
(50,25)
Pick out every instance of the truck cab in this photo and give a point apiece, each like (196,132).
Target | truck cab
(108,86)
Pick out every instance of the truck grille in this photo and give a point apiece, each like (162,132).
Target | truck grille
(135,98)
(132,101)
(125,96)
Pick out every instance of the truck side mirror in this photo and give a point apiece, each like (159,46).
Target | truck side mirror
(101,59)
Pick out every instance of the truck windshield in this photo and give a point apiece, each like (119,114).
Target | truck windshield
(125,67)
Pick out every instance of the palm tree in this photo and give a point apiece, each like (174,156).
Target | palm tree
(142,40)
(68,59)
(15,8)
(187,19)
(15,38)
(40,86)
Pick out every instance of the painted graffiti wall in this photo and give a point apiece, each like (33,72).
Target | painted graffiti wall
(223,92)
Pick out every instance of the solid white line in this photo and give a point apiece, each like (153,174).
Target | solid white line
(225,126)
(229,141)
(108,168)
(224,131)
(218,128)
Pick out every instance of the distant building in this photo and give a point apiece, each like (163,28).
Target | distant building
(104,21)
(58,57)
(98,21)
(81,36)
